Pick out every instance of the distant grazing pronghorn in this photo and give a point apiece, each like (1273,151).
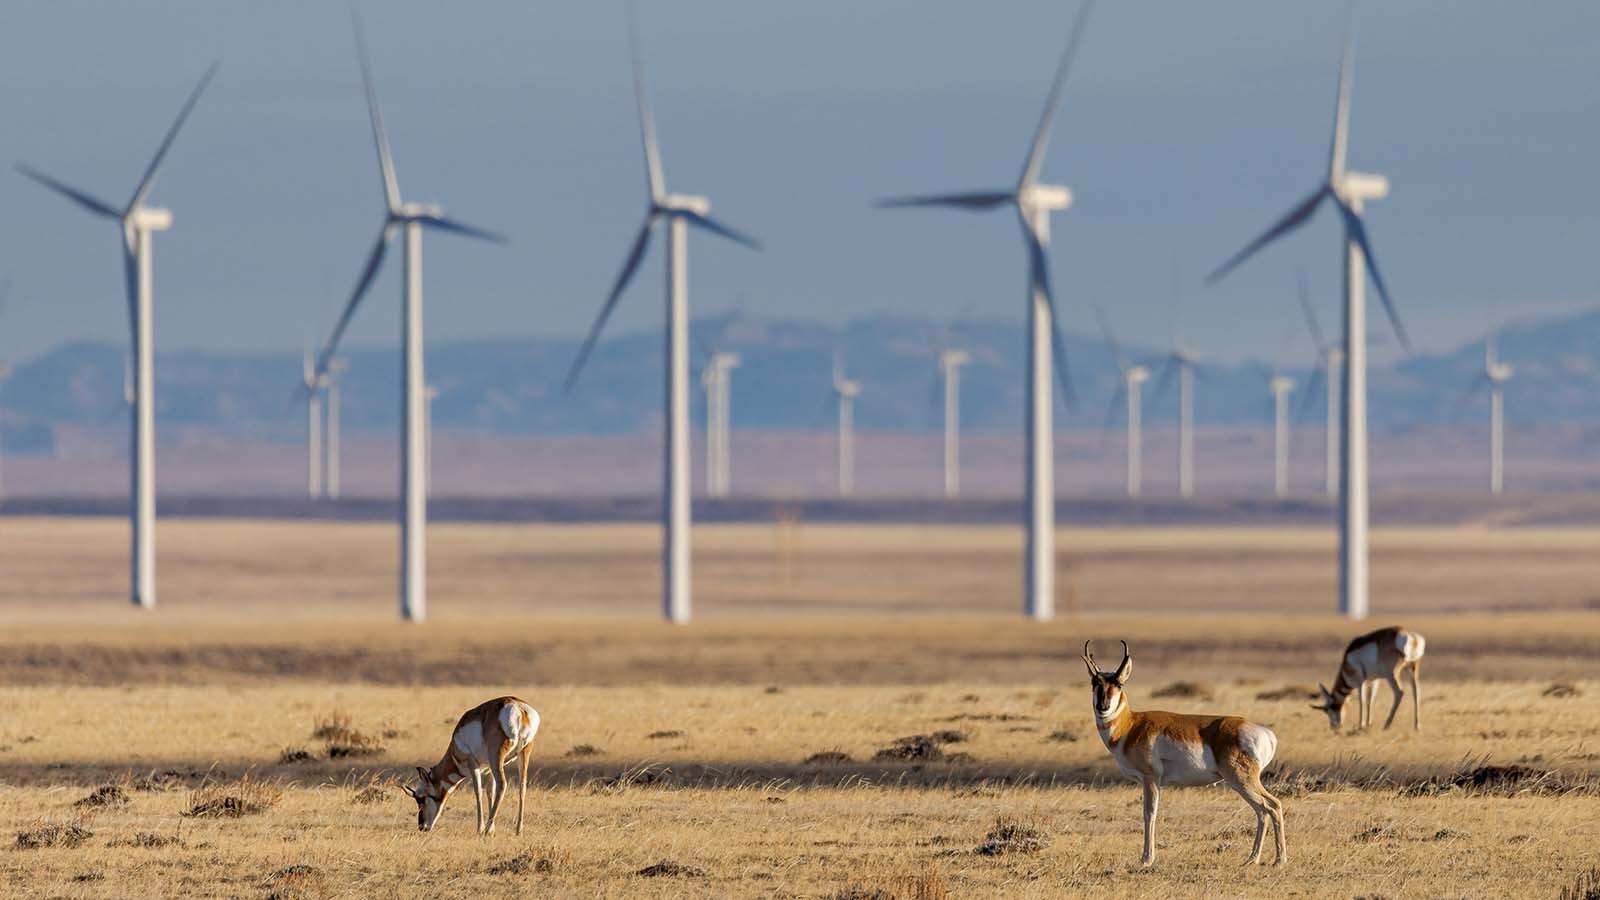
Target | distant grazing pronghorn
(1382,654)
(1157,748)
(487,737)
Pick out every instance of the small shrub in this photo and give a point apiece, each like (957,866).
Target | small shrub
(828,758)
(580,751)
(916,748)
(82,877)
(1186,689)
(857,892)
(244,797)
(1289,692)
(333,727)
(1011,836)
(104,795)
(354,744)
(1063,736)
(149,840)
(158,781)
(527,861)
(1562,691)
(369,795)
(294,756)
(664,735)
(949,736)
(56,834)
(669,869)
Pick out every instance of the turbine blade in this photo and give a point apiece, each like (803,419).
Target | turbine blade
(149,179)
(647,121)
(1039,268)
(716,227)
(1110,338)
(1113,409)
(1341,108)
(1295,218)
(1358,232)
(1311,314)
(130,280)
(969,200)
(1041,137)
(92,204)
(380,137)
(635,255)
(447,224)
(368,272)
(1310,394)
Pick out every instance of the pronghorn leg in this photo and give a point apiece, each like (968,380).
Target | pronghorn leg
(1258,807)
(1399,694)
(1416,695)
(1369,695)
(1152,801)
(498,775)
(522,789)
(1278,839)
(477,794)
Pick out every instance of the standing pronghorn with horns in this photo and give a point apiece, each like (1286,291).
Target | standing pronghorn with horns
(1156,748)
(487,737)
(1384,654)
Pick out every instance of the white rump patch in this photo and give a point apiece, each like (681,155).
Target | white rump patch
(511,723)
(1410,644)
(1259,743)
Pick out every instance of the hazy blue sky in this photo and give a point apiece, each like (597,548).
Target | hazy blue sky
(1187,128)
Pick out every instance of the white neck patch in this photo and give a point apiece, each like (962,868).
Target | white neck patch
(1116,709)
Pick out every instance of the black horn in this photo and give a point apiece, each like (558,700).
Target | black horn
(1126,665)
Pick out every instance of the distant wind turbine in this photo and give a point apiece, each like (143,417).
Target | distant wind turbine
(1347,191)
(716,378)
(330,444)
(1181,359)
(1330,357)
(1130,380)
(845,392)
(679,211)
(411,219)
(139,223)
(1034,202)
(429,394)
(315,388)
(950,362)
(1494,377)
(1280,387)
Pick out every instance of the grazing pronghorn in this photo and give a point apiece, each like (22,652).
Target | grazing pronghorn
(1156,748)
(1382,654)
(487,737)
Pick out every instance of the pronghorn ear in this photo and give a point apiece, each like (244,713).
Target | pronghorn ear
(1126,668)
(424,773)
(1326,694)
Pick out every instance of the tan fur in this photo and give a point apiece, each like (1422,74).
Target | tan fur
(498,748)
(1368,659)
(1156,748)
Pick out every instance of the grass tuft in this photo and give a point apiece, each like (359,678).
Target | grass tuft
(579,751)
(669,869)
(1010,836)
(834,757)
(294,756)
(1585,887)
(103,796)
(543,862)
(54,834)
(245,797)
(1197,690)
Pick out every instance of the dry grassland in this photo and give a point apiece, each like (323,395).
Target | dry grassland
(247,739)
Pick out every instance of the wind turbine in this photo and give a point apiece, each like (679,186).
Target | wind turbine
(410,218)
(1280,387)
(429,394)
(950,362)
(330,444)
(1494,377)
(314,391)
(139,223)
(845,392)
(1130,380)
(1182,360)
(1348,191)
(1034,202)
(1330,356)
(716,378)
(678,211)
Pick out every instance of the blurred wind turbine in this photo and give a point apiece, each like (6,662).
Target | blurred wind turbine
(1130,380)
(330,442)
(1034,202)
(411,219)
(1348,191)
(679,211)
(139,224)
(1280,387)
(1182,360)
(845,392)
(1494,377)
(716,378)
(429,394)
(315,388)
(950,362)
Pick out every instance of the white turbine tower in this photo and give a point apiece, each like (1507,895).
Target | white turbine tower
(1034,202)
(411,219)
(1130,380)
(139,223)
(1347,191)
(716,377)
(1494,377)
(314,390)
(1280,387)
(678,211)
(1330,357)
(950,362)
(331,453)
(429,394)
(1182,360)
(845,392)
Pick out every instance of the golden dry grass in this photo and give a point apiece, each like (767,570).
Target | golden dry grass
(698,738)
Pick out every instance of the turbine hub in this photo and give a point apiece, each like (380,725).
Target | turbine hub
(952,358)
(1281,384)
(1137,375)
(1361,186)
(150,218)
(1044,196)
(686,203)
(420,210)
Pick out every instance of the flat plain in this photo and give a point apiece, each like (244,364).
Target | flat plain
(248,738)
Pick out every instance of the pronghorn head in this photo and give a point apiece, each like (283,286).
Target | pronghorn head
(1107,686)
(1333,707)
(430,796)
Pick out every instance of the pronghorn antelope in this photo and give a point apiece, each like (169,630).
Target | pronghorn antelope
(487,737)
(1384,654)
(1157,748)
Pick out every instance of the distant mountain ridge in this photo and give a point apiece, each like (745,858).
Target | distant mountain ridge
(512,386)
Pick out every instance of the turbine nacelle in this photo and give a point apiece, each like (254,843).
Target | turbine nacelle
(410,211)
(149,218)
(951,359)
(684,203)
(1280,384)
(1136,375)
(1355,187)
(846,389)
(1044,197)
